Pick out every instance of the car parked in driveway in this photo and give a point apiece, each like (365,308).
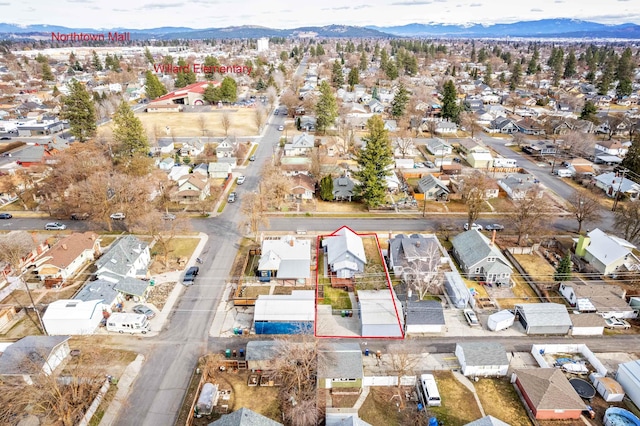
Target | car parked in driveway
(144,310)
(190,275)
(614,322)
(474,225)
(118,216)
(55,226)
(494,227)
(6,215)
(471,317)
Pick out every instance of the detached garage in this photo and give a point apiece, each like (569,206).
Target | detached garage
(543,318)
(629,377)
(72,317)
(285,314)
(548,393)
(380,314)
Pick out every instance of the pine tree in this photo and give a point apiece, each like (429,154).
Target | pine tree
(487,75)
(570,65)
(337,79)
(326,188)
(589,111)
(632,160)
(128,132)
(354,77)
(185,78)
(326,108)
(399,103)
(624,73)
(516,76)
(97,64)
(373,161)
(148,55)
(153,87)
(47,75)
(228,90)
(362,65)
(450,108)
(79,109)
(391,70)
(212,94)
(563,271)
(211,61)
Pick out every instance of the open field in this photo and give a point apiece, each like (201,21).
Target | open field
(500,400)
(185,124)
(458,405)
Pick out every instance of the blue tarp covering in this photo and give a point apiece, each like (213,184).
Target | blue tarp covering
(296,327)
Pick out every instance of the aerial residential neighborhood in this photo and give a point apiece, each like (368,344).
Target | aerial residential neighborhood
(390,225)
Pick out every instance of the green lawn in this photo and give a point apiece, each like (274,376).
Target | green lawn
(336,297)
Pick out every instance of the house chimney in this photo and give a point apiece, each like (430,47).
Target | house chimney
(64,247)
(493,237)
(291,242)
(417,243)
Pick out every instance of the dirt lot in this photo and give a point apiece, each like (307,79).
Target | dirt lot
(380,409)
(499,399)
(190,124)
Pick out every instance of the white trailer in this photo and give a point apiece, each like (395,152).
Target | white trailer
(500,320)
(128,323)
(504,162)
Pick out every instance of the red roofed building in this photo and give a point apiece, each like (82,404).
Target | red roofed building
(192,94)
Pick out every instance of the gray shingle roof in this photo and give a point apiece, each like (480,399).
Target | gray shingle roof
(487,421)
(132,286)
(99,289)
(543,314)
(425,312)
(549,389)
(29,354)
(244,417)
(121,255)
(484,353)
(472,247)
(340,360)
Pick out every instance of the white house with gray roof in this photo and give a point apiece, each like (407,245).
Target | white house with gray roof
(103,290)
(340,365)
(33,355)
(519,185)
(607,253)
(343,188)
(344,253)
(287,259)
(433,188)
(126,263)
(611,184)
(482,359)
(438,147)
(301,145)
(480,258)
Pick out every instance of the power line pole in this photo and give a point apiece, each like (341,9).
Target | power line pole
(617,194)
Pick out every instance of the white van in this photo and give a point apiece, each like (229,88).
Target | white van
(128,323)
(564,173)
(429,391)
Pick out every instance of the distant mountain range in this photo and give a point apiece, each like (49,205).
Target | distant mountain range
(546,28)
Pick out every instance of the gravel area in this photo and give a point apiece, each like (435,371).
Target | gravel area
(160,294)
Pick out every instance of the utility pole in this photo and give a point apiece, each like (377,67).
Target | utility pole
(617,194)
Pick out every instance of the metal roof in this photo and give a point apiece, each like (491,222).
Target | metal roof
(545,314)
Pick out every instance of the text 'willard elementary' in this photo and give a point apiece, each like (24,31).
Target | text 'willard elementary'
(112,37)
(201,68)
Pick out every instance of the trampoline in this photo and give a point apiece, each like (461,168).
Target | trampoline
(583,388)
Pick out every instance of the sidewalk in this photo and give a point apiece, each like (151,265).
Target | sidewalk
(124,384)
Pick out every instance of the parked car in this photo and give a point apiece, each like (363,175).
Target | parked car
(252,158)
(190,275)
(457,160)
(494,227)
(473,226)
(144,310)
(429,164)
(5,138)
(232,197)
(79,216)
(118,216)
(614,322)
(471,317)
(55,226)
(240,179)
(281,127)
(6,215)
(168,216)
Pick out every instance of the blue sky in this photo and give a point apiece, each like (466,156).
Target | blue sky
(287,14)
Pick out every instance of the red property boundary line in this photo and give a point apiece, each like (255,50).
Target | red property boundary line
(387,278)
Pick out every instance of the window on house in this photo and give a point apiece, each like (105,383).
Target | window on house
(477,270)
(491,259)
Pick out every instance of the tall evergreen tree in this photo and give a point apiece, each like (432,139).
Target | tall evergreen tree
(128,132)
(228,90)
(354,77)
(212,94)
(563,271)
(47,75)
(337,78)
(391,70)
(210,61)
(185,78)
(570,65)
(450,108)
(400,100)
(148,55)
(153,87)
(373,161)
(608,75)
(79,109)
(624,73)
(589,111)
(95,61)
(487,75)
(516,76)
(632,160)
(326,188)
(326,108)
(363,64)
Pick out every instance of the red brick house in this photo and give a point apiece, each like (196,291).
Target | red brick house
(548,394)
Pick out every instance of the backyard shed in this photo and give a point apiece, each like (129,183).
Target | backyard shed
(482,359)
(607,387)
(629,377)
(285,314)
(543,318)
(587,325)
(500,320)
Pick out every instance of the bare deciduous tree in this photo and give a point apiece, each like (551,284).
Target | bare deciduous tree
(272,95)
(163,231)
(225,121)
(253,215)
(473,190)
(274,186)
(585,207)
(259,117)
(627,221)
(290,101)
(423,275)
(202,124)
(529,214)
(469,122)
(403,144)
(403,363)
